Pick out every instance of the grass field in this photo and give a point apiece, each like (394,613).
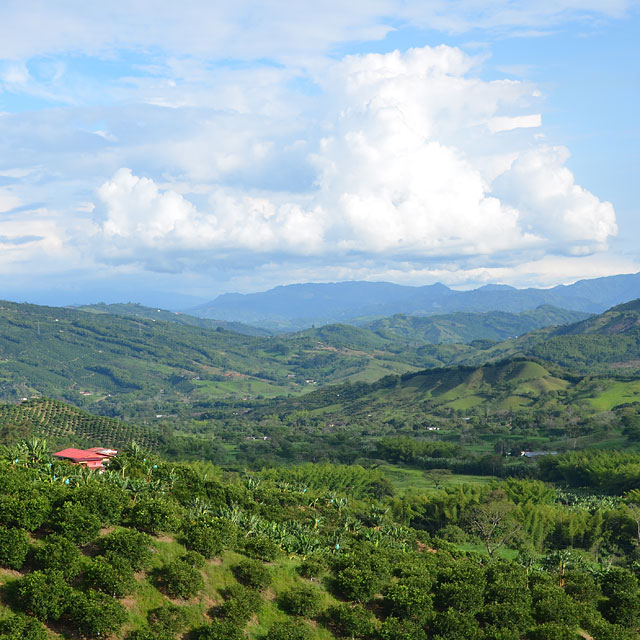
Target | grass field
(407,480)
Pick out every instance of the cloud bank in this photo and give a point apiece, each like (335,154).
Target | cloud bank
(416,159)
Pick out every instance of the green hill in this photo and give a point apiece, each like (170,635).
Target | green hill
(463,327)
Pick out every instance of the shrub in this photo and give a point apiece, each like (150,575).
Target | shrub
(180,580)
(111,574)
(43,595)
(289,630)
(75,522)
(14,547)
(262,548)
(350,621)
(252,573)
(194,559)
(209,537)
(313,567)
(105,500)
(219,630)
(21,627)
(133,546)
(302,601)
(240,605)
(153,515)
(58,554)
(95,614)
(169,619)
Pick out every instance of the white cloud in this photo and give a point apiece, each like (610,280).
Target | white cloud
(509,123)
(396,176)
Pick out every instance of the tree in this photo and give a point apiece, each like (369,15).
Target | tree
(21,627)
(154,514)
(75,522)
(494,522)
(133,546)
(240,604)
(95,614)
(111,574)
(262,548)
(289,630)
(58,554)
(253,573)
(303,601)
(43,595)
(219,630)
(180,580)
(622,604)
(349,621)
(14,547)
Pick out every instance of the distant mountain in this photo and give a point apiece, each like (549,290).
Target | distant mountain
(292,307)
(133,310)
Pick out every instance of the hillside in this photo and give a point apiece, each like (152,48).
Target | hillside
(140,366)
(133,310)
(299,306)
(465,327)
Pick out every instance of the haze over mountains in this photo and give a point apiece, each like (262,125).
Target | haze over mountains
(298,306)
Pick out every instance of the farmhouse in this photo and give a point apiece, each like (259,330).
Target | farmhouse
(91,458)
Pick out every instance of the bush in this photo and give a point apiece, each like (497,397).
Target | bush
(21,627)
(154,515)
(133,546)
(105,500)
(95,614)
(313,567)
(180,580)
(169,619)
(252,573)
(553,631)
(194,559)
(219,630)
(240,604)
(111,574)
(302,601)
(43,595)
(58,554)
(14,547)
(350,621)
(75,522)
(210,537)
(289,630)
(262,548)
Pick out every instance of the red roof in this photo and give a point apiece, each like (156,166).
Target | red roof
(79,455)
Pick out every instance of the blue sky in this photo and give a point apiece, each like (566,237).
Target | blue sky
(167,153)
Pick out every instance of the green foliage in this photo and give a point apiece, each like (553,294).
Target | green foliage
(168,619)
(59,555)
(622,603)
(219,630)
(262,548)
(303,601)
(313,567)
(43,595)
(111,574)
(95,614)
(208,537)
(253,573)
(155,514)
(350,621)
(289,630)
(21,627)
(133,546)
(75,522)
(180,580)
(239,605)
(14,547)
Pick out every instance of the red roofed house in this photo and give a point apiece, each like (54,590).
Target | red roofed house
(90,458)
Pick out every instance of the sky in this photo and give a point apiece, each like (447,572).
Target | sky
(165,153)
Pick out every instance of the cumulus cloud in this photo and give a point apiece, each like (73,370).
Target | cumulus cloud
(398,173)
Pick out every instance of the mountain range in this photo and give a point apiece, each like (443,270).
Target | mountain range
(298,306)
